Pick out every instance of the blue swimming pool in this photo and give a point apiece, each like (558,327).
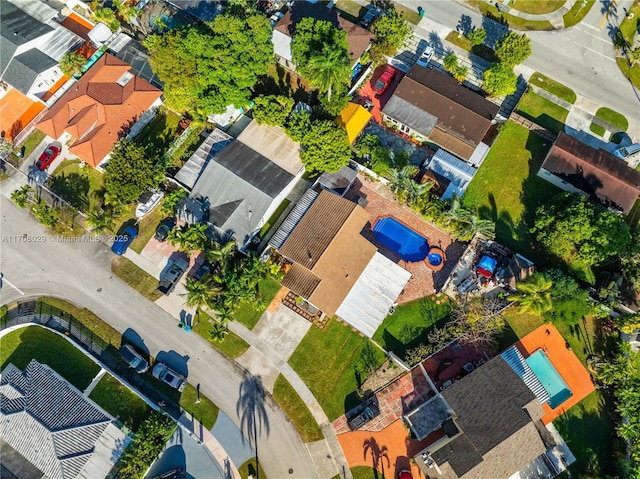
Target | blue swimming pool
(410,245)
(549,377)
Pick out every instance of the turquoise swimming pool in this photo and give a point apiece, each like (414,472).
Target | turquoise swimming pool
(549,377)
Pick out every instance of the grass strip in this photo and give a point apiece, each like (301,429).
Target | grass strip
(613,118)
(298,412)
(119,401)
(200,407)
(555,88)
(136,277)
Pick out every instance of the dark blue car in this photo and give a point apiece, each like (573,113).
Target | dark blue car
(123,240)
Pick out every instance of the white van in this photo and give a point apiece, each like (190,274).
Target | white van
(626,152)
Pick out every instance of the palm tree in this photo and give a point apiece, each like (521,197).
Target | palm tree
(125,11)
(222,254)
(468,224)
(218,332)
(189,238)
(401,181)
(100,221)
(201,292)
(634,56)
(224,315)
(534,295)
(328,68)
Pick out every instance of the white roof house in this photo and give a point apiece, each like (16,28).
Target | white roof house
(55,428)
(458,172)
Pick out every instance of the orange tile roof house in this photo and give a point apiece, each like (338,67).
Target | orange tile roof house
(579,168)
(98,110)
(335,268)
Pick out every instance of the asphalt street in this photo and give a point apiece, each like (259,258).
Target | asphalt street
(581,57)
(36,263)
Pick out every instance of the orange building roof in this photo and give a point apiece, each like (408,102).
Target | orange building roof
(16,112)
(99,108)
(577,378)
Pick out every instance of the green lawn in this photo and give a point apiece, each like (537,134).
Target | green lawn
(410,323)
(84,316)
(577,13)
(537,6)
(205,411)
(411,15)
(553,87)
(247,314)
(159,132)
(543,112)
(136,277)
(613,118)
(32,141)
(297,411)
(364,472)
(488,9)
(19,347)
(79,186)
(232,346)
(506,189)
(249,469)
(147,228)
(597,129)
(329,361)
(119,401)
(629,26)
(482,51)
(632,73)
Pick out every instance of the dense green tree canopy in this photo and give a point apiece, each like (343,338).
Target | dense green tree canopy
(325,147)
(477,36)
(71,63)
(499,80)
(312,36)
(207,67)
(298,126)
(272,109)
(513,48)
(573,228)
(391,31)
(130,172)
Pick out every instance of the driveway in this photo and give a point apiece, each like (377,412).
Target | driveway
(80,272)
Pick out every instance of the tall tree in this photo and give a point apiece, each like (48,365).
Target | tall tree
(328,68)
(189,238)
(130,172)
(391,32)
(71,63)
(500,80)
(325,147)
(100,221)
(534,295)
(272,109)
(513,48)
(476,36)
(207,67)
(201,292)
(573,228)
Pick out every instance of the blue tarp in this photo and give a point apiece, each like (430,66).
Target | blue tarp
(487,263)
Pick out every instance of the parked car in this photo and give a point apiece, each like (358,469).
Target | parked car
(48,155)
(405,474)
(627,152)
(173,275)
(162,372)
(370,15)
(385,80)
(275,18)
(133,358)
(177,473)
(425,56)
(123,240)
(163,228)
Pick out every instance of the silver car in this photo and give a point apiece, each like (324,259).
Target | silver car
(133,358)
(163,373)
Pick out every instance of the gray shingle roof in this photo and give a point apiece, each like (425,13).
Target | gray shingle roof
(240,186)
(25,68)
(49,422)
(17,27)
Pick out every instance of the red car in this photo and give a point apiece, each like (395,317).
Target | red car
(47,157)
(404,474)
(384,81)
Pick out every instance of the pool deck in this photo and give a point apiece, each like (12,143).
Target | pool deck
(574,374)
(381,203)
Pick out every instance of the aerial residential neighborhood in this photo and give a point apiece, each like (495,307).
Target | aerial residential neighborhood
(343,239)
